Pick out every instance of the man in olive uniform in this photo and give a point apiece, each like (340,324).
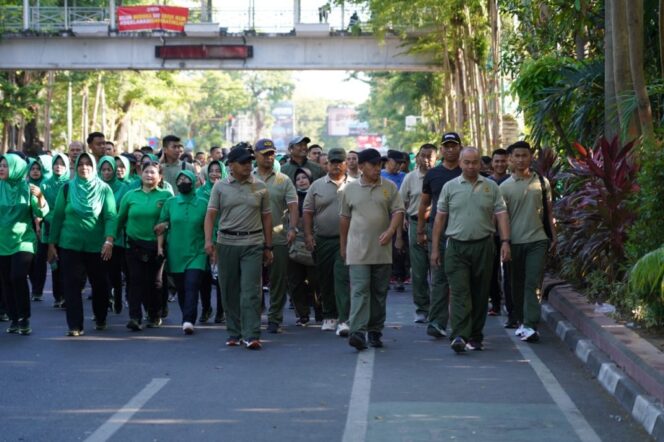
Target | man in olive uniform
(244,245)
(321,215)
(531,223)
(411,192)
(171,164)
(371,214)
(469,202)
(283,200)
(297,149)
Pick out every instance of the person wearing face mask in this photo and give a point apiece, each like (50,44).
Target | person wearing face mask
(183,218)
(37,275)
(214,172)
(50,188)
(138,215)
(81,240)
(19,202)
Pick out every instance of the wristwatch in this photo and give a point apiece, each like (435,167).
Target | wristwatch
(266,247)
(295,229)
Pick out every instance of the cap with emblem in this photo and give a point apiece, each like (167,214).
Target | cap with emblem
(264,145)
(369,155)
(451,137)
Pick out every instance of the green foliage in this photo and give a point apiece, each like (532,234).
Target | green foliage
(17,100)
(646,278)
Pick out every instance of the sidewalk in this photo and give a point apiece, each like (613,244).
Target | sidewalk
(627,366)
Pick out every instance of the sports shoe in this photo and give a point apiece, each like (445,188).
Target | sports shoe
(529,335)
(233,341)
(473,345)
(75,333)
(420,318)
(519,331)
(154,323)
(188,328)
(329,325)
(511,323)
(13,327)
(37,297)
(100,325)
(374,339)
(134,325)
(493,312)
(4,317)
(273,327)
(205,315)
(358,341)
(343,329)
(24,327)
(253,344)
(302,322)
(435,331)
(219,318)
(458,344)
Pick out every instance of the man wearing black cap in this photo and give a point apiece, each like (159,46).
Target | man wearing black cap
(244,245)
(297,148)
(371,214)
(283,201)
(432,185)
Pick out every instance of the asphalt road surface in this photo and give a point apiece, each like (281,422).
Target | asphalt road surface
(304,385)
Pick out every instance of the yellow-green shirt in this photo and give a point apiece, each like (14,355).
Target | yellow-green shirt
(139,213)
(282,193)
(185,238)
(470,207)
(323,199)
(523,197)
(411,191)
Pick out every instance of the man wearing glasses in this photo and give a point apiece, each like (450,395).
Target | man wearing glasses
(171,163)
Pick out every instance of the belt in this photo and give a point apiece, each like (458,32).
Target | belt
(472,241)
(232,233)
(413,217)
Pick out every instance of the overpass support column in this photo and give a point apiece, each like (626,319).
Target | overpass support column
(26,15)
(111,7)
(296,12)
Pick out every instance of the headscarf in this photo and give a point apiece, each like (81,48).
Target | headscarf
(301,194)
(51,186)
(31,162)
(206,189)
(117,186)
(11,190)
(189,174)
(87,196)
(47,166)
(125,161)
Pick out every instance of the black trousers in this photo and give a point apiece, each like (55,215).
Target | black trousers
(74,266)
(303,287)
(38,269)
(207,284)
(145,283)
(117,265)
(400,259)
(188,285)
(14,271)
(500,286)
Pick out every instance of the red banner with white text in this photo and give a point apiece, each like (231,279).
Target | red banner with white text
(152,18)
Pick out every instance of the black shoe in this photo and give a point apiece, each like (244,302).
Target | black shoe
(154,323)
(205,315)
(435,331)
(512,323)
(164,312)
(374,339)
(24,327)
(474,345)
(117,303)
(100,325)
(4,317)
(273,327)
(13,327)
(134,325)
(399,287)
(358,341)
(75,333)
(458,344)
(58,303)
(302,322)
(219,318)
(37,297)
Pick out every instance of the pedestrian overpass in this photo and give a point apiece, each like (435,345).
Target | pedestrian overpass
(77,38)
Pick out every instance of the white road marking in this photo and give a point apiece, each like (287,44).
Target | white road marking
(557,393)
(122,416)
(358,408)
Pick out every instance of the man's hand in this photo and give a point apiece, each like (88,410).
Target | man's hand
(290,236)
(435,257)
(385,237)
(106,251)
(422,239)
(267,257)
(505,252)
(309,242)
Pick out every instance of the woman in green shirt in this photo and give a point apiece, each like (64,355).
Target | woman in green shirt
(214,172)
(19,202)
(37,275)
(50,188)
(138,215)
(81,239)
(183,218)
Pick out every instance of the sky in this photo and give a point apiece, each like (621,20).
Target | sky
(308,84)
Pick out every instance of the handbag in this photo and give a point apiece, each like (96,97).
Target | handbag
(298,252)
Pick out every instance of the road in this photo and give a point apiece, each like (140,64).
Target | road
(160,385)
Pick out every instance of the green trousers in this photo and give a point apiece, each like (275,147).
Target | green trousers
(240,269)
(419,263)
(278,284)
(368,285)
(527,270)
(333,279)
(439,309)
(469,268)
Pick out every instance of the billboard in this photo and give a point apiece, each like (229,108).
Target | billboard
(152,18)
(367,141)
(282,129)
(342,122)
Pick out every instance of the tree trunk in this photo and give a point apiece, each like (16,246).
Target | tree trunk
(93,124)
(622,76)
(47,110)
(611,121)
(461,99)
(661,37)
(494,83)
(635,30)
(449,87)
(84,114)
(121,133)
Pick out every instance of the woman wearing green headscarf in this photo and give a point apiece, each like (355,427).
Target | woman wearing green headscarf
(50,188)
(182,217)
(81,238)
(37,273)
(108,174)
(19,203)
(215,171)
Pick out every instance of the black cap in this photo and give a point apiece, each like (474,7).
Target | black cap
(395,155)
(369,155)
(451,137)
(130,157)
(298,140)
(239,154)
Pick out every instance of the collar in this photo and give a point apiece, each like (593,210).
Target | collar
(480,179)
(533,174)
(257,174)
(330,180)
(379,183)
(232,179)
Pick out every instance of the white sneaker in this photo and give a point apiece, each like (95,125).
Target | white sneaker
(529,335)
(519,331)
(329,325)
(188,328)
(343,330)
(420,318)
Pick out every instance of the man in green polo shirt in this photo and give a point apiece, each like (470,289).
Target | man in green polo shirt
(283,200)
(470,203)
(321,232)
(371,214)
(526,194)
(297,149)
(244,245)
(171,152)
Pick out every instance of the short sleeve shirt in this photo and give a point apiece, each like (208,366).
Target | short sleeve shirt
(240,206)
(523,197)
(323,199)
(282,193)
(396,178)
(369,208)
(291,167)
(433,184)
(411,191)
(170,173)
(470,207)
